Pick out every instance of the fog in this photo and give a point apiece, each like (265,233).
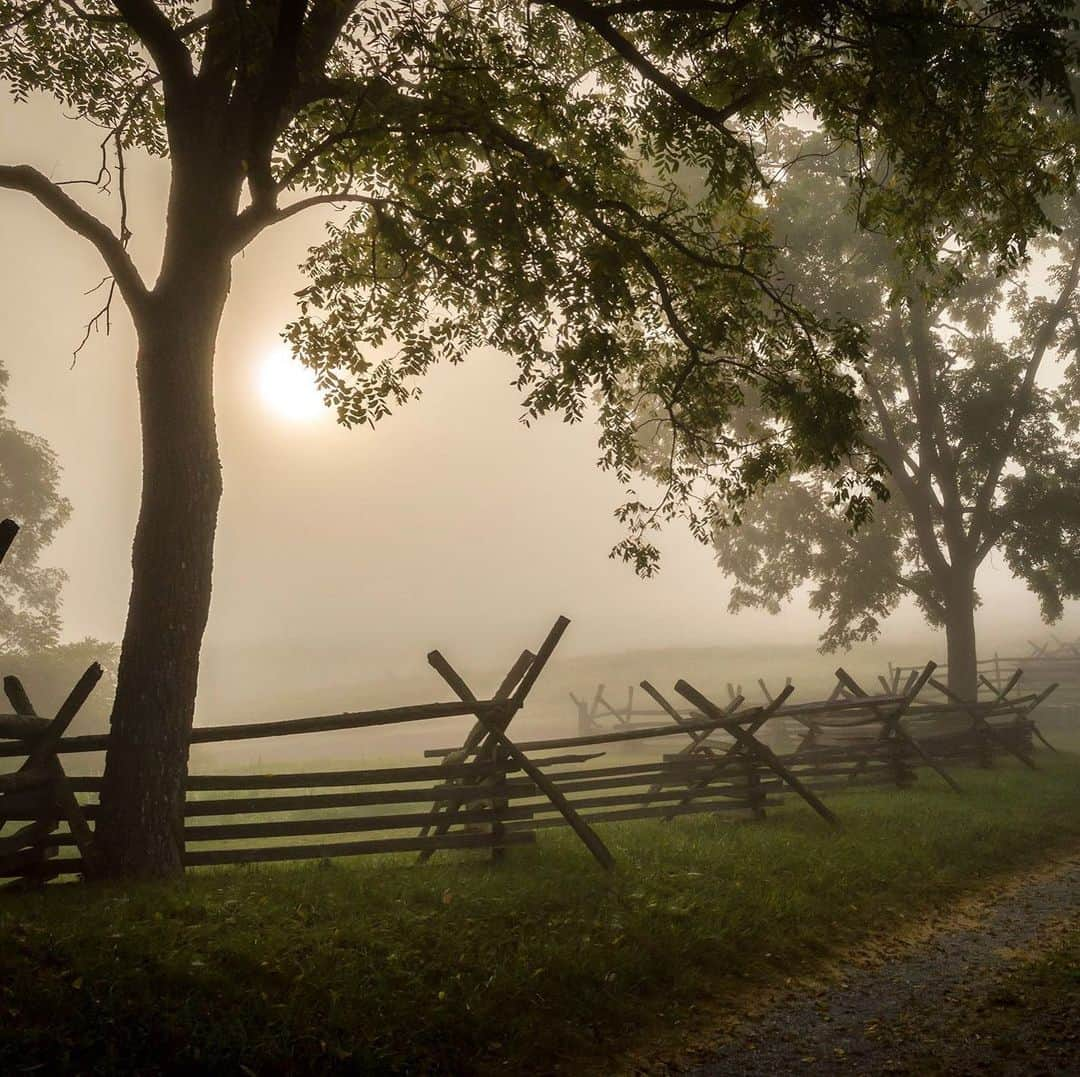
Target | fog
(344,556)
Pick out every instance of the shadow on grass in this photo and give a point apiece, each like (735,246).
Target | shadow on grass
(457,966)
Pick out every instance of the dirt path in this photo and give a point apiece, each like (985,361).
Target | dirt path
(959,997)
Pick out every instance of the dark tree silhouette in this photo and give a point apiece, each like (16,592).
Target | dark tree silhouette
(505,169)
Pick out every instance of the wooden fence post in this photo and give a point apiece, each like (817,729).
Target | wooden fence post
(754,794)
(582,716)
(499,806)
(59,800)
(983,732)
(895,733)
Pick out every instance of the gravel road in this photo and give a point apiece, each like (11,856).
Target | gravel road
(923,1008)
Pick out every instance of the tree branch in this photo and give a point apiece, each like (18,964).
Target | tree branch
(916,587)
(162,40)
(597,19)
(980,519)
(256,218)
(934,443)
(913,492)
(267,113)
(322,29)
(66,209)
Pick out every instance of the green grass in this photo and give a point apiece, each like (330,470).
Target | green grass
(457,966)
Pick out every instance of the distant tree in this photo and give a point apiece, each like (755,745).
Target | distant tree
(49,673)
(496,158)
(981,449)
(30,495)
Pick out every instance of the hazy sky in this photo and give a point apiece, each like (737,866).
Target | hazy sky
(450,523)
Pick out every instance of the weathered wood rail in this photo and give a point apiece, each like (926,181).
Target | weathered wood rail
(1054,657)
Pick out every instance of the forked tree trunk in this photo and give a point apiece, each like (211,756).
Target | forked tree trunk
(140,826)
(960,638)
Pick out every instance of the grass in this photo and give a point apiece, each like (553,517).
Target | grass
(455,966)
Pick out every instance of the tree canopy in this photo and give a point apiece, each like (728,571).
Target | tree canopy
(977,432)
(514,172)
(30,494)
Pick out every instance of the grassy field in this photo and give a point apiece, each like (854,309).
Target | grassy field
(457,966)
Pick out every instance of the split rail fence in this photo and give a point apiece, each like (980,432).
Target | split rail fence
(493,792)
(243,818)
(853,736)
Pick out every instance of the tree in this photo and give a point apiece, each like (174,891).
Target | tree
(981,454)
(48,674)
(509,167)
(30,494)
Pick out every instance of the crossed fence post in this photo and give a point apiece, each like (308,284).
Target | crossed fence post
(42,771)
(754,747)
(891,728)
(587,712)
(759,715)
(1013,706)
(621,718)
(41,775)
(1000,694)
(474,741)
(698,737)
(489,735)
(809,739)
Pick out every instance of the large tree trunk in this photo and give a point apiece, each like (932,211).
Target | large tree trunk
(140,827)
(960,637)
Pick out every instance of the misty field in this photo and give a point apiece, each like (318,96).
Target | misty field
(541,962)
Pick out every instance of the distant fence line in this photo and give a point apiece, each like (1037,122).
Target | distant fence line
(1054,656)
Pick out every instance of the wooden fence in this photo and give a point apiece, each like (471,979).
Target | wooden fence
(895,734)
(241,818)
(736,778)
(854,735)
(599,715)
(1056,658)
(488,793)
(492,792)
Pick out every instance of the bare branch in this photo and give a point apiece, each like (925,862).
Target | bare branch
(104,314)
(66,209)
(256,218)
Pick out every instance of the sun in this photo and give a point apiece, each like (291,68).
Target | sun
(288,389)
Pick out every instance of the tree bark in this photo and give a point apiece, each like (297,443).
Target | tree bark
(960,636)
(139,832)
